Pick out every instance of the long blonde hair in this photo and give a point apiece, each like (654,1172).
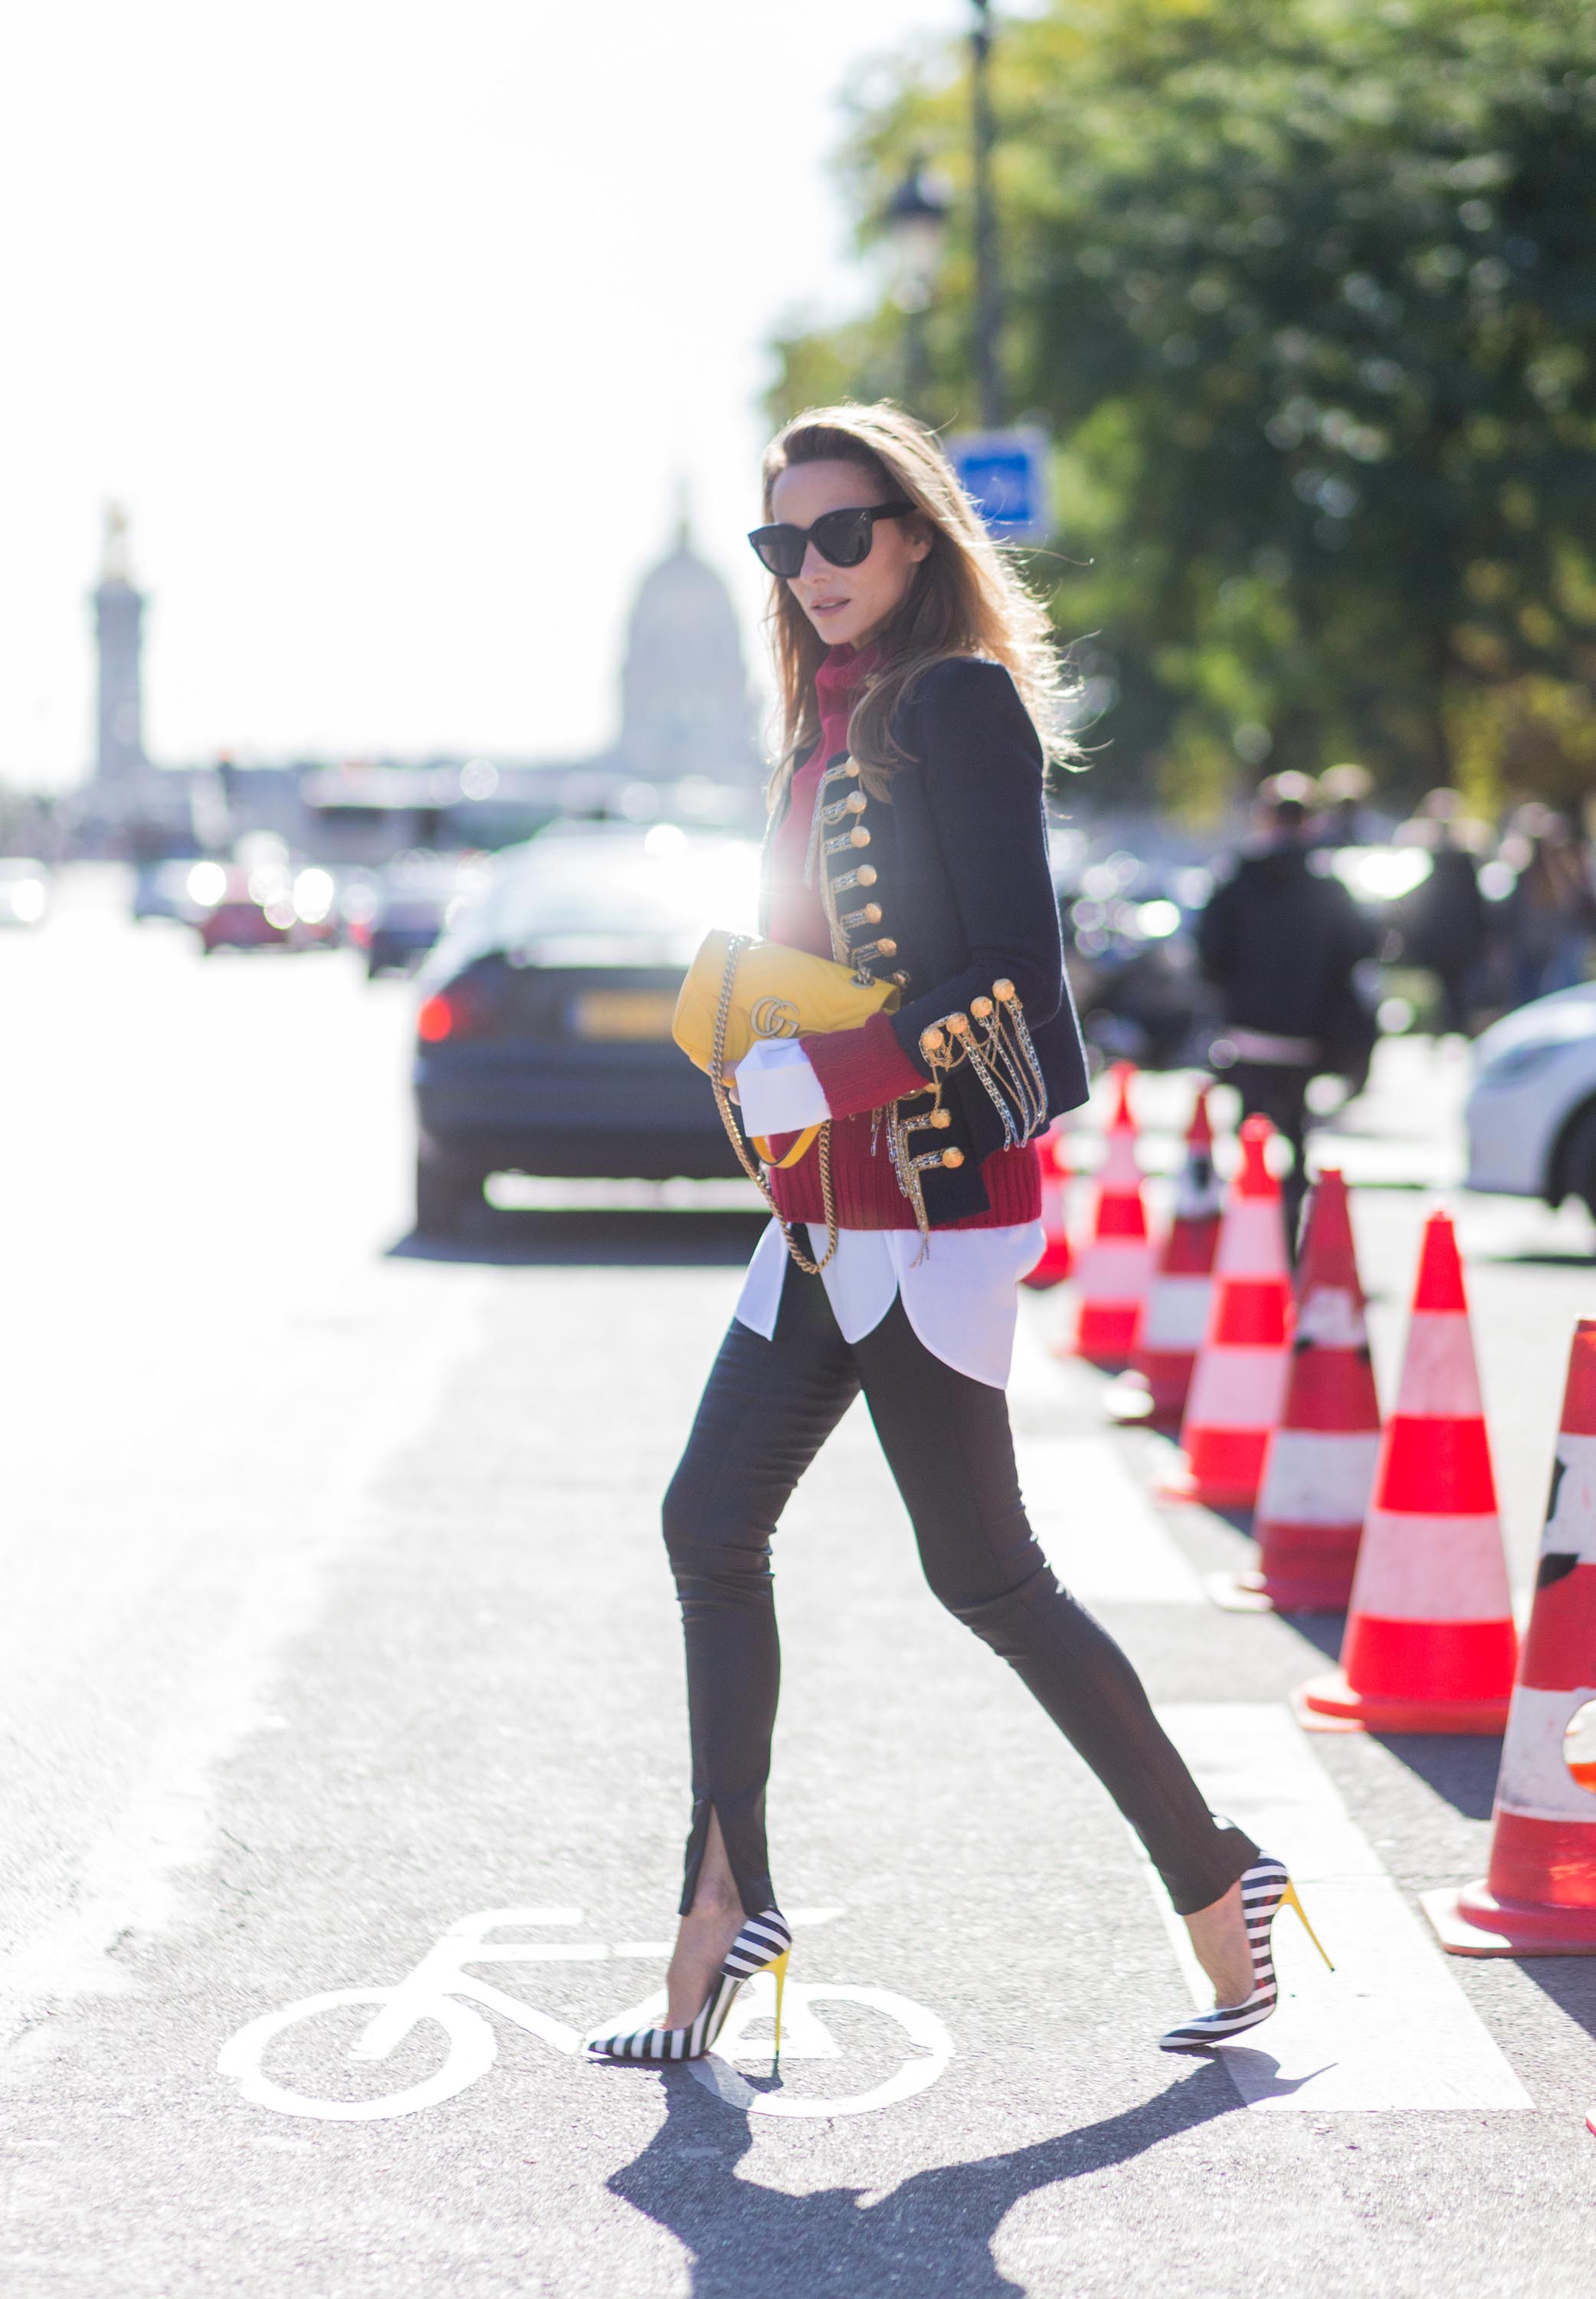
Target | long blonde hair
(965,597)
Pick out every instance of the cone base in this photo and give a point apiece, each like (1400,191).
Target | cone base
(1474,1922)
(1180,1485)
(1222,1468)
(1105,1359)
(1307,1568)
(1328,1704)
(1262,1592)
(1104,1335)
(1130,1401)
(1167,1378)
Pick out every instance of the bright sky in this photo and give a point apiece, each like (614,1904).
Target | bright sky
(393,322)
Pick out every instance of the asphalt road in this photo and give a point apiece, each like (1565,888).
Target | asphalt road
(333,1617)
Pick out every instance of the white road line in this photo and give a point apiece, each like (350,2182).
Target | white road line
(1103,1537)
(1390,2028)
(1107,1545)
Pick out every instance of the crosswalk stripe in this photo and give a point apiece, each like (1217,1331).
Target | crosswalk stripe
(1106,1543)
(1103,1537)
(1390,2028)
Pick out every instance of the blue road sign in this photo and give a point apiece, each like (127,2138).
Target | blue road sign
(1006,475)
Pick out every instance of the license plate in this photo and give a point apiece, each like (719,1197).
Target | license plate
(624,1013)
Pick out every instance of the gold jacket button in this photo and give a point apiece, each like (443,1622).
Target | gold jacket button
(941,1117)
(887,949)
(856,801)
(953,1156)
(931,1040)
(1003,991)
(872,914)
(858,835)
(959,1024)
(866,874)
(980,1007)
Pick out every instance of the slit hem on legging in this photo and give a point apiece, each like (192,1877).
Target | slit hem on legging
(753,1887)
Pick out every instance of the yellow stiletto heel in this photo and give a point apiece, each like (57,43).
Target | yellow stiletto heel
(762,1945)
(1292,1901)
(1265,1889)
(780,1968)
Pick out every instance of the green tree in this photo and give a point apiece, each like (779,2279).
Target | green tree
(1306,290)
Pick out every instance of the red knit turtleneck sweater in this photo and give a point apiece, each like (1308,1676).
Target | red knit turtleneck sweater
(860,1070)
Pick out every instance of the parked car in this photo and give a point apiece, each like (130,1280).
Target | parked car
(24,890)
(160,890)
(404,910)
(544,1036)
(1531,1113)
(1132,961)
(268,906)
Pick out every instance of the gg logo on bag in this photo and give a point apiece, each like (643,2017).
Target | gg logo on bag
(773,1018)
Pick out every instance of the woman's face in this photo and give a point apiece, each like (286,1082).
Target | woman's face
(847,605)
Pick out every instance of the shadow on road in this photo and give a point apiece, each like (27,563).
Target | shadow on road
(1569,1981)
(1325,1632)
(586,1239)
(932,2235)
(1539,1258)
(1463,1770)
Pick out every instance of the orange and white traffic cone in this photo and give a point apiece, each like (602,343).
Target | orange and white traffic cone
(1176,1316)
(1114,1267)
(1430,1642)
(1239,1381)
(1539,1896)
(1319,1469)
(1057,1259)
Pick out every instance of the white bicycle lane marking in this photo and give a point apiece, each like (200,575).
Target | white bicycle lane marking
(444,1987)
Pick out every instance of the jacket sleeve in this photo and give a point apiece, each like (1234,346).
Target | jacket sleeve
(861,1069)
(981,761)
(1356,935)
(1214,932)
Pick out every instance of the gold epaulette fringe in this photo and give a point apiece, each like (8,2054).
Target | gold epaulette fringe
(994,1038)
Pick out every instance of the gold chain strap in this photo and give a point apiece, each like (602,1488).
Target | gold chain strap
(735,946)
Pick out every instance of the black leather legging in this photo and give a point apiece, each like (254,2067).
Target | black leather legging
(768,1409)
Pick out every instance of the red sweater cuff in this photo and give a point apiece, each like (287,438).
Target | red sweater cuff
(861,1069)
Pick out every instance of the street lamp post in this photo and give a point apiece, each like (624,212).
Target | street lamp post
(988,291)
(916,218)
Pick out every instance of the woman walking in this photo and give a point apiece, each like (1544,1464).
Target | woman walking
(907,838)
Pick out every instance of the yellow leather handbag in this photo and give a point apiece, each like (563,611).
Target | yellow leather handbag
(737,991)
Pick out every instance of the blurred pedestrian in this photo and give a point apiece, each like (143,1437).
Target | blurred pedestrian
(1444,923)
(1340,807)
(1550,912)
(907,845)
(1279,940)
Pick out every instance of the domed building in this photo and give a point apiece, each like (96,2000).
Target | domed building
(685,703)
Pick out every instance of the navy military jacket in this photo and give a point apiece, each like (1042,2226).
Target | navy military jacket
(937,875)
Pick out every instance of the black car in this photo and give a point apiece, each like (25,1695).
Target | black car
(401,915)
(544,1037)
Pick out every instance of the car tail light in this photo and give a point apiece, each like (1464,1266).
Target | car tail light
(465,1009)
(437,1021)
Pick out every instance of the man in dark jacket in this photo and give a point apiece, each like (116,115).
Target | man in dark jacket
(1443,923)
(1279,940)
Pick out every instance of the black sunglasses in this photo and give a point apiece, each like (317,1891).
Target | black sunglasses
(843,537)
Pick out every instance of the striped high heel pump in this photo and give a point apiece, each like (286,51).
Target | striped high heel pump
(762,1945)
(1265,1889)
